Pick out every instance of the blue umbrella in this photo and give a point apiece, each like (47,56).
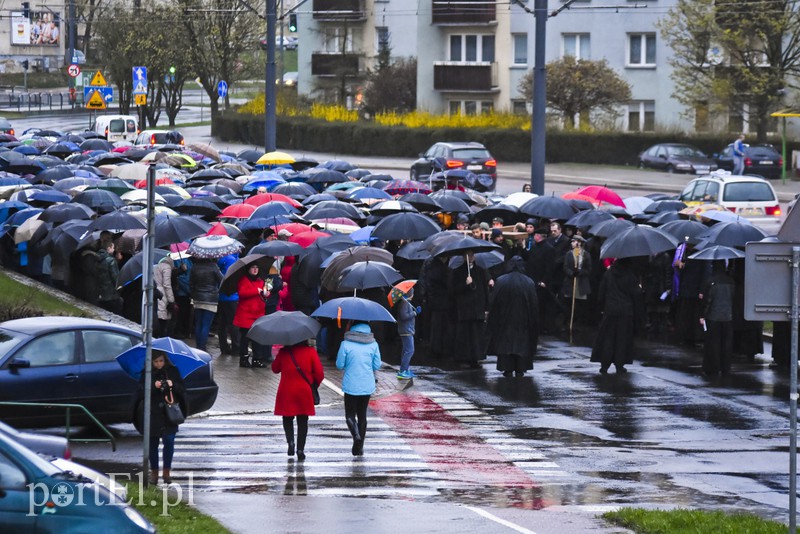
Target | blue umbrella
(362,235)
(263,222)
(178,352)
(355,309)
(28,150)
(11,206)
(19,218)
(50,196)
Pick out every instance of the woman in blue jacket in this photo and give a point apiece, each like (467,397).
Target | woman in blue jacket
(360,357)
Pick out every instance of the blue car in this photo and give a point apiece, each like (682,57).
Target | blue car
(36,496)
(72,360)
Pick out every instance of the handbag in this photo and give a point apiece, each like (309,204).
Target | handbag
(172,410)
(314,387)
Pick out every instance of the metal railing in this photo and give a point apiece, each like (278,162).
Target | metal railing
(21,100)
(67,422)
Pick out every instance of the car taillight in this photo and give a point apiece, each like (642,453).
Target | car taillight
(67,453)
(182,142)
(780,162)
(491,163)
(153,139)
(732,210)
(11,131)
(106,132)
(773,210)
(454,163)
(748,162)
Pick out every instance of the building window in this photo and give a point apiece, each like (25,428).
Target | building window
(487,106)
(519,107)
(470,107)
(735,121)
(642,49)
(472,48)
(577,45)
(382,33)
(520,46)
(338,40)
(642,116)
(455,107)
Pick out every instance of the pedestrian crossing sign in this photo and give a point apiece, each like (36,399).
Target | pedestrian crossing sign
(140,100)
(96,101)
(98,80)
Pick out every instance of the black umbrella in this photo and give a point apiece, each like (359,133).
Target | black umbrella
(56,173)
(310,266)
(326,176)
(208,174)
(239,268)
(277,248)
(250,155)
(405,225)
(611,227)
(663,217)
(420,201)
(285,328)
(451,204)
(295,188)
(100,200)
(507,212)
(388,207)
(444,193)
(368,274)
(197,206)
(169,230)
(338,165)
(683,228)
(96,144)
(66,238)
(731,234)
(118,221)
(462,245)
(664,205)
(330,209)
(339,261)
(317,198)
(717,252)
(415,250)
(66,212)
(486,260)
(639,240)
(548,208)
(133,268)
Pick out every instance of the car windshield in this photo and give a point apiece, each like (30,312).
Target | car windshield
(748,192)
(8,340)
(471,153)
(684,151)
(116,126)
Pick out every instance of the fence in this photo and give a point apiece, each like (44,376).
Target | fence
(18,99)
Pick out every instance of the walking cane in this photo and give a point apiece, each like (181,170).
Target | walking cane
(572,313)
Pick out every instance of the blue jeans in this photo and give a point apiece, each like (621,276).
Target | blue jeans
(202,326)
(169,450)
(738,165)
(407,351)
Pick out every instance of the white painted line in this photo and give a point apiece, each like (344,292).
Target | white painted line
(333,387)
(498,520)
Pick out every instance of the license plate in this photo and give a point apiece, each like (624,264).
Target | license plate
(474,167)
(749,212)
(702,171)
(765,162)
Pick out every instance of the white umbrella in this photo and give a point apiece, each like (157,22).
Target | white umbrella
(519,198)
(140,195)
(131,172)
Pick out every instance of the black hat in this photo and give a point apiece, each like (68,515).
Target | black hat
(542,230)
(496,232)
(462,218)
(578,238)
(531,222)
(497,219)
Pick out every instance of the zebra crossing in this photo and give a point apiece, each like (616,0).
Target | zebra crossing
(247,453)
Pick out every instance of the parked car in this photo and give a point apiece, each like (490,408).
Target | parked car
(446,156)
(55,446)
(289,43)
(5,126)
(673,157)
(37,496)
(290,78)
(761,160)
(159,137)
(748,196)
(69,360)
(120,490)
(117,127)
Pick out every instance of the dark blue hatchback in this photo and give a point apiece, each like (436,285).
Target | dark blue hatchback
(72,360)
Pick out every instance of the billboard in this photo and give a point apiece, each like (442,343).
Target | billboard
(40,28)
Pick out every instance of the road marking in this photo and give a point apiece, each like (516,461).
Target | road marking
(498,520)
(333,387)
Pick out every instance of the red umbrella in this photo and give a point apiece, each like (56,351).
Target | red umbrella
(141,184)
(337,220)
(237,211)
(304,239)
(601,194)
(294,228)
(263,198)
(574,195)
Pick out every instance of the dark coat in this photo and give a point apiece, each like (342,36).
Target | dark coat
(304,297)
(107,273)
(620,296)
(578,274)
(540,261)
(513,324)
(471,302)
(159,425)
(204,280)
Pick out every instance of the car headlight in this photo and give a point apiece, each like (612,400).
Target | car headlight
(137,519)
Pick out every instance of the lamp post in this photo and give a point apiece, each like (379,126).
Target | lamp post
(270,122)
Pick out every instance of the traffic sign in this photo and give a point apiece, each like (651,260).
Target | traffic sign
(96,101)
(139,80)
(106,93)
(74,70)
(98,80)
(222,88)
(140,100)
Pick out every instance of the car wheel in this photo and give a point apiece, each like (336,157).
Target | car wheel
(670,169)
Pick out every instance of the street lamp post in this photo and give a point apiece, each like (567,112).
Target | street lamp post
(539,100)
(270,122)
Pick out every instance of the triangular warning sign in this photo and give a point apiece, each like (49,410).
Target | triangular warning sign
(98,80)
(96,101)
(140,89)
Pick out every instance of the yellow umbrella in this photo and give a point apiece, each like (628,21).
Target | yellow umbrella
(275,158)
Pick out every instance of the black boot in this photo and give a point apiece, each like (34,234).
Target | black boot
(353,427)
(244,361)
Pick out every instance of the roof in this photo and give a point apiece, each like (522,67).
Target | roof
(461,144)
(31,325)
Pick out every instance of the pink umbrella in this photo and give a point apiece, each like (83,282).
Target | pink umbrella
(601,194)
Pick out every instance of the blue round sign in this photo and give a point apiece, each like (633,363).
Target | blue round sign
(222,88)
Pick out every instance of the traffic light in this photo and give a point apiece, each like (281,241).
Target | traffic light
(26,10)
(25,64)
(292,22)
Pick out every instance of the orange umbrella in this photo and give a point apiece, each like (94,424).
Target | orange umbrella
(400,290)
(262,198)
(574,195)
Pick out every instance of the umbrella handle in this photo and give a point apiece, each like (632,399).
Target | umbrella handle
(469,270)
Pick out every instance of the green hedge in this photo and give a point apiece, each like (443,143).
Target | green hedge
(370,139)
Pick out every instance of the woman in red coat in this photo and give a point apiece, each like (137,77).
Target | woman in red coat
(252,295)
(294,397)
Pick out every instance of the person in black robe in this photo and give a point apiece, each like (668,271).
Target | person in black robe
(513,322)
(717,317)
(620,296)
(437,303)
(469,287)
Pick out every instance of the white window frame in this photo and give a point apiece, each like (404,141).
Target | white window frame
(580,44)
(333,39)
(516,45)
(479,50)
(642,106)
(642,37)
(479,108)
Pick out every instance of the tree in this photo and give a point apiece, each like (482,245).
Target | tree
(392,87)
(734,55)
(580,86)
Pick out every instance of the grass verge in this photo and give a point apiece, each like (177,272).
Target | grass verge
(16,296)
(681,521)
(173,516)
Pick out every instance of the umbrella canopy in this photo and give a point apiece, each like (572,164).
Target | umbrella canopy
(239,268)
(99,200)
(133,268)
(118,221)
(548,208)
(130,242)
(176,229)
(338,165)
(416,250)
(388,207)
(717,252)
(610,228)
(600,193)
(132,172)
(263,198)
(214,246)
(405,225)
(507,212)
(366,194)
(684,228)
(711,215)
(115,185)
(275,158)
(636,204)
(403,187)
(197,206)
(462,245)
(65,212)
(366,275)
(277,248)
(342,259)
(485,260)
(325,176)
(399,291)
(420,201)
(238,211)
(305,239)
(665,205)
(663,218)
(179,353)
(639,240)
(588,218)
(283,328)
(26,230)
(353,309)
(294,188)
(206,150)
(731,234)
(273,209)
(451,204)
(333,208)
(225,229)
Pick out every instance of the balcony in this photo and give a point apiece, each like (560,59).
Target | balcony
(465,77)
(338,10)
(460,12)
(326,64)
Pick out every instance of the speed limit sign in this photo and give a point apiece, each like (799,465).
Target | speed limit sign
(74,70)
